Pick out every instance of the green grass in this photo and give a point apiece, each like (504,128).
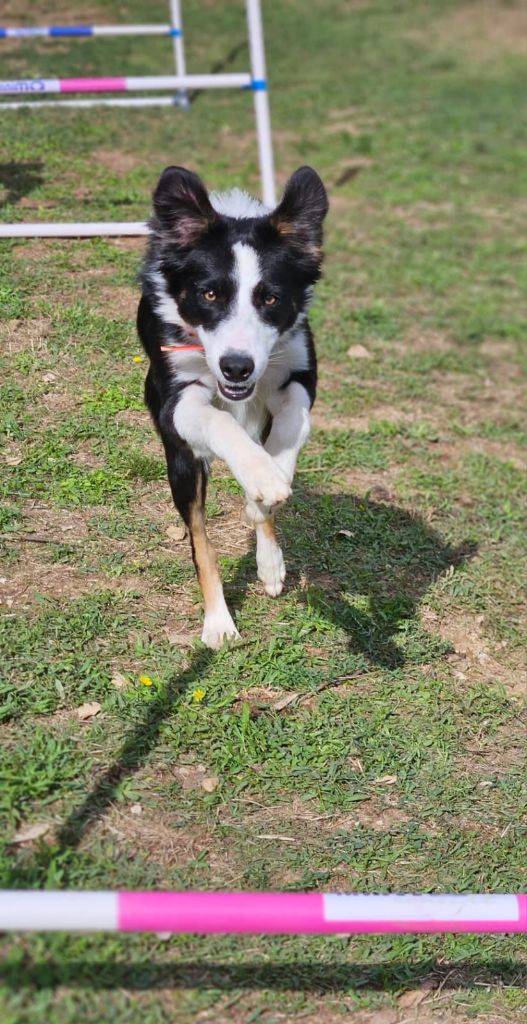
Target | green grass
(399,764)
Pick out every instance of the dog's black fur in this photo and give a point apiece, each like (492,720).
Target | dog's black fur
(192,279)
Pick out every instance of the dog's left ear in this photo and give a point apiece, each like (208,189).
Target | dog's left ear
(299,216)
(183,211)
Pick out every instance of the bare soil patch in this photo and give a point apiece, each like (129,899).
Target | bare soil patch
(475,657)
(166,840)
(122,300)
(26,335)
(453,451)
(478,32)
(116,160)
(475,399)
(49,12)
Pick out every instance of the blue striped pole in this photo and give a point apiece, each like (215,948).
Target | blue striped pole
(58,31)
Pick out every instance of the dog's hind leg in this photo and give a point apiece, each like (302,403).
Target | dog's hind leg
(188,482)
(269,557)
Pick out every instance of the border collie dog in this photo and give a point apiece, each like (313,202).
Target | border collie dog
(226,289)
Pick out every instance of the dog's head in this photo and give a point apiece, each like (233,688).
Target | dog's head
(240,275)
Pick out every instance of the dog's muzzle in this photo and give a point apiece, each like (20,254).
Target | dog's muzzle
(235,392)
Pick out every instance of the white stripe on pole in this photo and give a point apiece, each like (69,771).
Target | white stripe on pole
(420,907)
(74,230)
(30,86)
(230,80)
(261,102)
(132,101)
(59,911)
(131,30)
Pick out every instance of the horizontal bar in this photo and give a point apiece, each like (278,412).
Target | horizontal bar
(261,913)
(73,31)
(131,101)
(40,86)
(93,229)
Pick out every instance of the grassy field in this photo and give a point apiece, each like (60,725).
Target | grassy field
(399,761)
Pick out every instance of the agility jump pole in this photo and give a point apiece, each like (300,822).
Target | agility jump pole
(260,913)
(255,81)
(142,83)
(59,31)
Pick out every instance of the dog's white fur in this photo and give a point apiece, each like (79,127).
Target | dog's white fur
(213,426)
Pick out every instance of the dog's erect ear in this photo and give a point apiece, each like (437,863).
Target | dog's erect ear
(182,206)
(298,217)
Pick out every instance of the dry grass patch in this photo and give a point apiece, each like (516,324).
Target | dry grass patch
(476,658)
(26,336)
(478,32)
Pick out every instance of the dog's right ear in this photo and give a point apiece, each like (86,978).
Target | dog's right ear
(182,207)
(298,217)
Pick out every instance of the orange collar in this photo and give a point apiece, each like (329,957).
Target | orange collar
(184,348)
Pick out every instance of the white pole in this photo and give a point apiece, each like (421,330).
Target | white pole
(261,101)
(182,99)
(74,230)
(132,101)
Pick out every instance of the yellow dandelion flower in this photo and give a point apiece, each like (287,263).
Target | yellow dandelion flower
(145,680)
(137,359)
(198,694)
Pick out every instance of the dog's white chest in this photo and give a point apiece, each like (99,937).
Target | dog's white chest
(251,415)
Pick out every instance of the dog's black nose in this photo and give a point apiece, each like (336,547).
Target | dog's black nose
(236,366)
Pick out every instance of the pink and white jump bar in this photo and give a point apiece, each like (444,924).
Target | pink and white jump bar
(264,913)
(143,83)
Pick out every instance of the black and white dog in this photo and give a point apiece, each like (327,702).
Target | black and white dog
(226,289)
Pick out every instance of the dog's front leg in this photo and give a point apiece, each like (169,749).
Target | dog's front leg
(208,430)
(289,432)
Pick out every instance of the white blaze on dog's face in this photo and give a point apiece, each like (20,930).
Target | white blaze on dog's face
(239,275)
(238,348)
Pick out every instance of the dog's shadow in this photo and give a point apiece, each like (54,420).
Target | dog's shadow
(364,565)
(19,179)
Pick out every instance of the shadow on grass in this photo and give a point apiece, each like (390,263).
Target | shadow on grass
(368,564)
(300,976)
(19,179)
(143,737)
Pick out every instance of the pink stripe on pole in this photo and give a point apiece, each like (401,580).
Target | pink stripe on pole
(92,84)
(204,913)
(522,909)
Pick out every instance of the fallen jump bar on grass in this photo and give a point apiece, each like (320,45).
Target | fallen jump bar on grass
(41,86)
(260,912)
(57,31)
(76,230)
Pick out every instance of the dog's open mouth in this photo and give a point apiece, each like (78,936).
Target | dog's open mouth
(236,392)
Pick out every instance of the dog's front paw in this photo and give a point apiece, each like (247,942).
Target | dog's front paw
(256,512)
(218,627)
(271,567)
(266,484)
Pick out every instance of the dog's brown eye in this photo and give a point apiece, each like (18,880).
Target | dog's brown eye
(209,295)
(270,300)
